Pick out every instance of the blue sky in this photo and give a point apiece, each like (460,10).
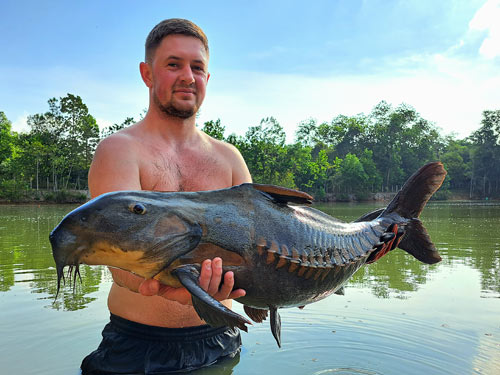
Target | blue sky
(268,58)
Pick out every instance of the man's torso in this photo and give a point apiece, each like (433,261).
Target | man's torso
(197,167)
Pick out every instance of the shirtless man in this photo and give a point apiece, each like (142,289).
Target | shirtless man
(154,328)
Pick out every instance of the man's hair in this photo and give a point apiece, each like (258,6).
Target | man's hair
(172,26)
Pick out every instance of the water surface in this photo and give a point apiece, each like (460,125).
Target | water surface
(398,316)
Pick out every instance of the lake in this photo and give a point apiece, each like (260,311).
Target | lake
(397,316)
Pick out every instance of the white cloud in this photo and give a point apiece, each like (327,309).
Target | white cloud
(451,92)
(487,18)
(20,124)
(103,123)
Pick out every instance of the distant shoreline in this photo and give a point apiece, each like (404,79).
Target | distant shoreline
(82,196)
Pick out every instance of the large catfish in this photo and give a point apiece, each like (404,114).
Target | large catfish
(283,252)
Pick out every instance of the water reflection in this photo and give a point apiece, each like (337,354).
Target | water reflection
(398,316)
(26,257)
(464,234)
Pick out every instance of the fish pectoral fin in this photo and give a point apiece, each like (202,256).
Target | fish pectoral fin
(257,315)
(208,308)
(276,325)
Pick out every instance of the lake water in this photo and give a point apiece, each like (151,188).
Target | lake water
(398,316)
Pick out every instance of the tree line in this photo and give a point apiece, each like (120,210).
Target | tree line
(351,157)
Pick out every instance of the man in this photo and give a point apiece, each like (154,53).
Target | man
(153,328)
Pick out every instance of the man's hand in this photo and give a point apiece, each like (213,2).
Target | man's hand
(210,280)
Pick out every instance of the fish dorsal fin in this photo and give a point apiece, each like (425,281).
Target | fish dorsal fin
(370,216)
(284,195)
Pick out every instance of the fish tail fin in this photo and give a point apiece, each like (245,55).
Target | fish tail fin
(409,203)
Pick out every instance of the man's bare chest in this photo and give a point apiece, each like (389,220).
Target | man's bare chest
(188,173)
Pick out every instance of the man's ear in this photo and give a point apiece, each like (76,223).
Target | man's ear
(146,73)
(208,76)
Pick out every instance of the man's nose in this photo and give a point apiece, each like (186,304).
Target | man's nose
(187,75)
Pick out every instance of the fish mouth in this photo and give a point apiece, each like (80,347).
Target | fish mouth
(72,274)
(72,260)
(63,243)
(147,262)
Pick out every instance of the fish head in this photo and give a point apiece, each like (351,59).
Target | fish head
(139,231)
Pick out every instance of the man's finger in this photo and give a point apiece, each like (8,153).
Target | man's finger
(227,287)
(206,274)
(149,287)
(216,278)
(180,295)
(237,293)
(226,291)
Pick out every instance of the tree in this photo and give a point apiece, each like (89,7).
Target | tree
(6,138)
(457,162)
(306,133)
(214,129)
(348,134)
(401,142)
(374,179)
(264,151)
(69,135)
(486,154)
(350,176)
(116,127)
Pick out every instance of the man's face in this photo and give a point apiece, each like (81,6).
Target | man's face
(179,75)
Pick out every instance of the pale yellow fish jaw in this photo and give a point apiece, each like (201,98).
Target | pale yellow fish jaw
(104,253)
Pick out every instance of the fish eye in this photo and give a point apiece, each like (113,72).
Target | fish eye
(138,209)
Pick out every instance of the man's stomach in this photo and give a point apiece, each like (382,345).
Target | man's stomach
(154,311)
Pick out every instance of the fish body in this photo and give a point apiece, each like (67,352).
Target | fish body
(283,252)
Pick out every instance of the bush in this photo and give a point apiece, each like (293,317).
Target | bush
(363,196)
(13,191)
(441,195)
(64,196)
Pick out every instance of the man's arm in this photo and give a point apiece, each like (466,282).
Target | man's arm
(240,170)
(115,167)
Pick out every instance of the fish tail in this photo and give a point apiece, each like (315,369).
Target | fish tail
(409,203)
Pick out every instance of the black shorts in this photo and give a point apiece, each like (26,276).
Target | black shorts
(132,348)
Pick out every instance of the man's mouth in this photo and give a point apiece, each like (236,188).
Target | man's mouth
(185,91)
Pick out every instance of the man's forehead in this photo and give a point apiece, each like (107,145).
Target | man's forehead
(183,46)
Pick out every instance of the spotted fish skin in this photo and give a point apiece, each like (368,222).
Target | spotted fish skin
(296,254)
(283,252)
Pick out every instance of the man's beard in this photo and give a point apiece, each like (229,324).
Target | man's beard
(170,109)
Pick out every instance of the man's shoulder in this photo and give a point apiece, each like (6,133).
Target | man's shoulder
(233,157)
(226,150)
(122,140)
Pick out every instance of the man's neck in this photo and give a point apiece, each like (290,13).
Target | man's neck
(171,128)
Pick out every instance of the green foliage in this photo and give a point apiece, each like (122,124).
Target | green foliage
(350,176)
(115,127)
(57,152)
(214,129)
(63,196)
(13,190)
(485,155)
(350,157)
(263,148)
(6,138)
